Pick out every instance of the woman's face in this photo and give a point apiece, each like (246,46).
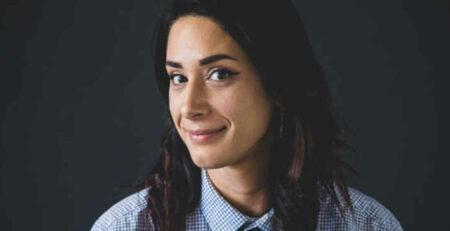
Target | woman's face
(216,99)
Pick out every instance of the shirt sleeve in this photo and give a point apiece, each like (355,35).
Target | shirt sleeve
(127,214)
(368,214)
(371,214)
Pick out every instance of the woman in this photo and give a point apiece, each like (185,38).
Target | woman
(252,133)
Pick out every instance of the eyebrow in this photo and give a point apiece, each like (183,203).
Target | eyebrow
(204,61)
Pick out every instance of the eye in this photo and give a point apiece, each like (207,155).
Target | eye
(220,74)
(177,78)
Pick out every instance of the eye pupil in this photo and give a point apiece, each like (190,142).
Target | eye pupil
(177,78)
(221,74)
(216,75)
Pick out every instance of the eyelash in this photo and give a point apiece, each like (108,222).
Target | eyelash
(220,70)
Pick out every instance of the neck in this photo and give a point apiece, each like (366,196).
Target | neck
(244,184)
(246,190)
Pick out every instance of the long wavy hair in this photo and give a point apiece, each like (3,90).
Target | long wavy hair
(304,165)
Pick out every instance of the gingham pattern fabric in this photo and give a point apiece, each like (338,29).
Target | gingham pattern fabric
(216,214)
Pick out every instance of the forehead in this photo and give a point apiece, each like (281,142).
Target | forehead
(195,37)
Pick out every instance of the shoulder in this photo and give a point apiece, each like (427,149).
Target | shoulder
(369,214)
(372,212)
(127,214)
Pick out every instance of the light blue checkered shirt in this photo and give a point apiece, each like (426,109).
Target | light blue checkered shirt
(214,213)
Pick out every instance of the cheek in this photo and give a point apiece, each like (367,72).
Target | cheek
(247,109)
(174,108)
(229,105)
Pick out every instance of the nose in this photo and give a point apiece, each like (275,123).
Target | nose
(194,102)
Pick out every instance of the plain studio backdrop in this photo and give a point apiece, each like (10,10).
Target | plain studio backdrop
(80,113)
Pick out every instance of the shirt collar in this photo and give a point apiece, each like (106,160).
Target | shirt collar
(220,215)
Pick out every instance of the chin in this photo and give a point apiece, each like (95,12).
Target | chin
(203,160)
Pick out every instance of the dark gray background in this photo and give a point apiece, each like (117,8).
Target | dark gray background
(80,114)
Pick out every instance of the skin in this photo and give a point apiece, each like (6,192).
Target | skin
(223,93)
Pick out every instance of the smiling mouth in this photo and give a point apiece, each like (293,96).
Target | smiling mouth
(202,136)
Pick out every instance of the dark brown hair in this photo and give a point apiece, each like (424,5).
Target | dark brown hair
(304,164)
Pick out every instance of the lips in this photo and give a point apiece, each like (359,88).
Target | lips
(204,136)
(198,132)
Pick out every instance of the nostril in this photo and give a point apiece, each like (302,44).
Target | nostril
(193,112)
(194,109)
